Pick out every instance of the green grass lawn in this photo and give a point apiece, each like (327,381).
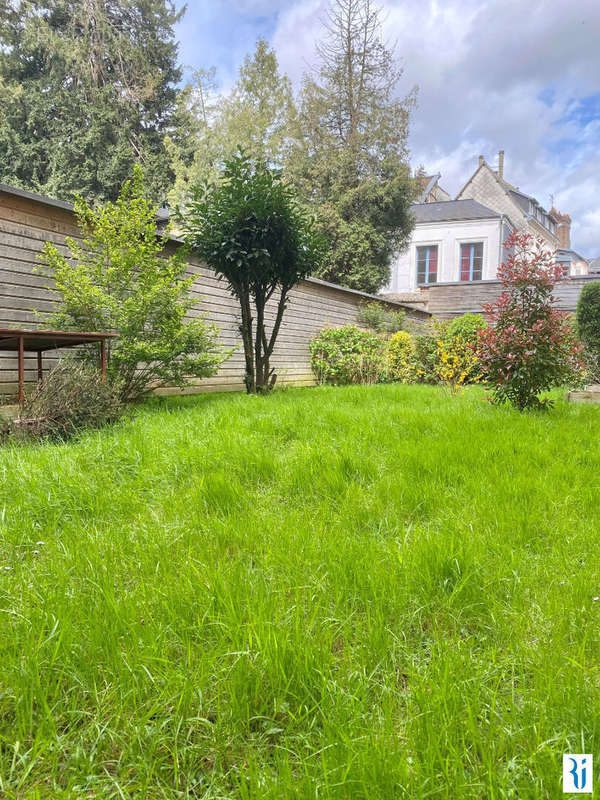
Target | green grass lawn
(364,592)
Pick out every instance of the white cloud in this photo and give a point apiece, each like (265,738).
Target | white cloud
(493,74)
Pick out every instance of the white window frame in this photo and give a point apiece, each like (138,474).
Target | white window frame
(471,240)
(414,261)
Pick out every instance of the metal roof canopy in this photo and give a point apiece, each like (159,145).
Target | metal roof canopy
(37,341)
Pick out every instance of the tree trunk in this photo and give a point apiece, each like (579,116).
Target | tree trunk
(259,352)
(246,332)
(260,378)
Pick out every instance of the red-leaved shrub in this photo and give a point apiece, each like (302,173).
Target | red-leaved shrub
(530,345)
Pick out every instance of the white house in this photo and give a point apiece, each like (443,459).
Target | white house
(462,240)
(453,240)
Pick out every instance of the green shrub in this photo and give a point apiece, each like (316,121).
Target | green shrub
(117,277)
(588,326)
(457,346)
(347,355)
(72,397)
(466,327)
(400,358)
(427,356)
(373,315)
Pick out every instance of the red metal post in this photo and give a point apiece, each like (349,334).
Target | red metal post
(40,368)
(21,369)
(103,358)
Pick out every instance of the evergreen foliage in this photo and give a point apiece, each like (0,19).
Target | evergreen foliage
(250,230)
(588,326)
(87,89)
(350,156)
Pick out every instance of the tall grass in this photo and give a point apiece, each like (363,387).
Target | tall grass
(363,592)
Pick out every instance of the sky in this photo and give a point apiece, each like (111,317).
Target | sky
(513,75)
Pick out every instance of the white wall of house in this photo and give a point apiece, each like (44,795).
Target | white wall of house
(448,236)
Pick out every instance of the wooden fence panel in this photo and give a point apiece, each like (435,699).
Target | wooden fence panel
(27,222)
(448,300)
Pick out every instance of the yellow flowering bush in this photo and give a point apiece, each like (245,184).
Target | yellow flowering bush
(400,358)
(457,363)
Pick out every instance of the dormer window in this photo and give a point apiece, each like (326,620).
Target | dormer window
(471,261)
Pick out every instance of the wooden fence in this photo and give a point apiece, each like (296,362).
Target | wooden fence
(27,221)
(448,300)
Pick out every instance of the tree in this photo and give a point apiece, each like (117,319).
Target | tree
(197,156)
(350,159)
(257,115)
(588,326)
(119,279)
(251,231)
(88,88)
(260,110)
(529,346)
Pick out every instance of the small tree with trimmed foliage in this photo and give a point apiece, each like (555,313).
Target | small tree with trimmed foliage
(529,346)
(588,326)
(250,230)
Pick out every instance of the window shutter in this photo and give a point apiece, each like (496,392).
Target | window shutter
(465,262)
(433,260)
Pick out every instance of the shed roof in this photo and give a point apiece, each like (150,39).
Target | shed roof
(37,340)
(452,210)
(38,198)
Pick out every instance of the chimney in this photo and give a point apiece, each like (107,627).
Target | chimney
(563,228)
(481,160)
(501,164)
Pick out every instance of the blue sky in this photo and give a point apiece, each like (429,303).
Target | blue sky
(492,75)
(220,34)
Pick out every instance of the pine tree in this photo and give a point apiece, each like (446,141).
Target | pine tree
(88,88)
(351,157)
(256,116)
